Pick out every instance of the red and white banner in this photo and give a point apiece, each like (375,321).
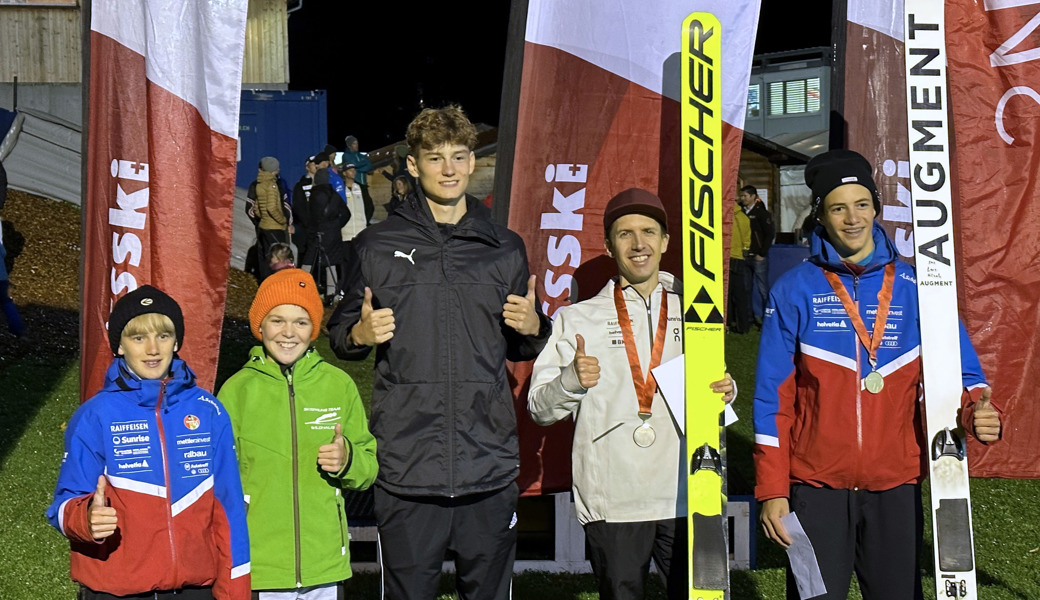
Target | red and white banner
(599,113)
(994,64)
(165,83)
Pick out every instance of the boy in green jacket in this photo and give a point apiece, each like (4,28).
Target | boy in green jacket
(302,437)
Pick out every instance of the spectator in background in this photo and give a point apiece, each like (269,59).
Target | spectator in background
(332,162)
(355,203)
(328,215)
(401,187)
(364,166)
(739,313)
(762,232)
(14,320)
(301,209)
(272,210)
(281,257)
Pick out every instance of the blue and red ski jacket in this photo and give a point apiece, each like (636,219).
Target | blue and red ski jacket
(167,450)
(814,422)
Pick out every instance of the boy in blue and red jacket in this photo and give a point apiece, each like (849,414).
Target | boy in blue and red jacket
(838,427)
(149,493)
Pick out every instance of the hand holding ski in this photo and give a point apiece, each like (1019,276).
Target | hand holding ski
(726,387)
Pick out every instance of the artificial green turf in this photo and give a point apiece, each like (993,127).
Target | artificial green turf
(38,394)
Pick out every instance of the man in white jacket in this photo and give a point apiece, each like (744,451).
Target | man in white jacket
(628,457)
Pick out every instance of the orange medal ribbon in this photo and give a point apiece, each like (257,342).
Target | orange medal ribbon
(645,387)
(870,342)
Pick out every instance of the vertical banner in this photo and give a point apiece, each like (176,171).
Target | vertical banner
(994,110)
(165,83)
(599,112)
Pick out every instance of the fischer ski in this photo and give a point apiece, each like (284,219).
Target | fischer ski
(703,325)
(928,126)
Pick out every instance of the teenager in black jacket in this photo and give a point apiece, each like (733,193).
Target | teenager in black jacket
(445,297)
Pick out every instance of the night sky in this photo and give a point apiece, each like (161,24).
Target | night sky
(380,62)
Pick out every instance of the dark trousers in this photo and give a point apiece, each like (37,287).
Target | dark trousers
(182,594)
(759,289)
(739,302)
(415,532)
(875,534)
(265,238)
(620,555)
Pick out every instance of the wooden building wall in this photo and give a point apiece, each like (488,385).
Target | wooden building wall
(42,45)
(267,44)
(39,45)
(759,172)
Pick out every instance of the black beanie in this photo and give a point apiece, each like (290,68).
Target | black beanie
(836,168)
(145,299)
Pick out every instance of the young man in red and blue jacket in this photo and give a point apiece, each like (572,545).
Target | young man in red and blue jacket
(149,493)
(838,425)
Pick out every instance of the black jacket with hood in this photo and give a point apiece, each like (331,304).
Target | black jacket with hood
(442,410)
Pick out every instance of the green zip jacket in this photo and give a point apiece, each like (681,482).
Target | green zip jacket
(295,511)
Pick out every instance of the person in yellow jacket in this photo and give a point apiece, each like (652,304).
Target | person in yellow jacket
(739,312)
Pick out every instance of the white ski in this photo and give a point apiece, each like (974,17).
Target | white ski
(931,180)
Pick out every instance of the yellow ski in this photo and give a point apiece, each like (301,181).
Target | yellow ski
(703,298)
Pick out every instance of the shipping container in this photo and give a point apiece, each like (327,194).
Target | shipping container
(289,126)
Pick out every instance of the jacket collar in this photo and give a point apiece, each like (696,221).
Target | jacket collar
(665,280)
(259,361)
(823,253)
(476,223)
(119,378)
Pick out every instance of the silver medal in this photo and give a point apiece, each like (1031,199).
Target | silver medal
(874,382)
(644,435)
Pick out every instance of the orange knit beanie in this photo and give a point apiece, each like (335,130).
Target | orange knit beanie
(288,286)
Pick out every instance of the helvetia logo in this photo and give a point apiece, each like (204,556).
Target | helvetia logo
(192,422)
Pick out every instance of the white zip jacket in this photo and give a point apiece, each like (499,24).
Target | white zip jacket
(356,204)
(614,479)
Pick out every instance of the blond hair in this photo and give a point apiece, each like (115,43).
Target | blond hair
(148,323)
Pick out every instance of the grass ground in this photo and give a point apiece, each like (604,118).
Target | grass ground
(39,392)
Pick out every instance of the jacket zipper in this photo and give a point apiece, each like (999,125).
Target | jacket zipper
(342,525)
(451,368)
(166,475)
(859,391)
(295,475)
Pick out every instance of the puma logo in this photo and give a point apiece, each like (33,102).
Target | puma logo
(399,254)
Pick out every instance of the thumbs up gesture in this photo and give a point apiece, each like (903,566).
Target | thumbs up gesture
(332,457)
(103,519)
(520,313)
(986,419)
(586,367)
(375,326)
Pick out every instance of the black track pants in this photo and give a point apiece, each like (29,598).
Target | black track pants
(875,534)
(620,555)
(415,532)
